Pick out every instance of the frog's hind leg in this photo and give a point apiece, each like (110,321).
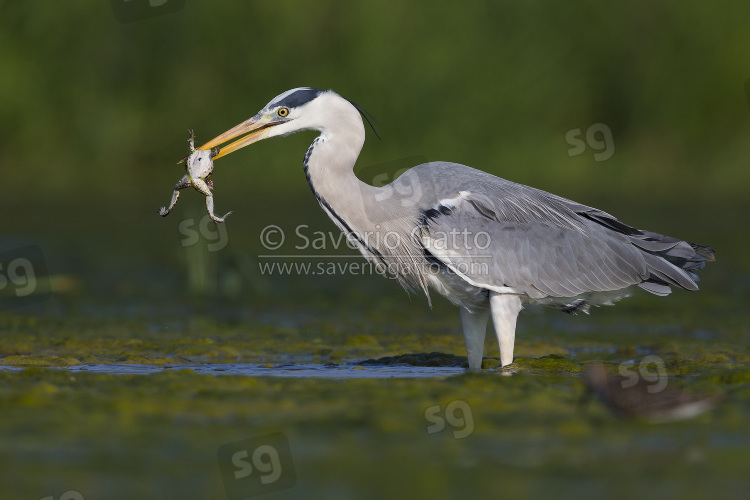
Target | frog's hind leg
(184,182)
(203,187)
(210,207)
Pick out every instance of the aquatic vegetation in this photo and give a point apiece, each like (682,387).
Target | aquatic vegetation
(524,425)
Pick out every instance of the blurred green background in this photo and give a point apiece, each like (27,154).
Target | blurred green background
(94,114)
(94,109)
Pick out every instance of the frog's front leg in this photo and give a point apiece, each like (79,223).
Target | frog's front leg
(182,184)
(191,140)
(202,186)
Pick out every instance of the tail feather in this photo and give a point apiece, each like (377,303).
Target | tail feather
(671,262)
(666,272)
(704,253)
(660,289)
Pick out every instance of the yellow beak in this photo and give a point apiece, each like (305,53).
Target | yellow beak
(256,129)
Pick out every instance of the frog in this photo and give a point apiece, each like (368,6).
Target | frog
(198,169)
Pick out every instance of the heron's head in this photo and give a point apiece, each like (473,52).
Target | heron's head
(295,110)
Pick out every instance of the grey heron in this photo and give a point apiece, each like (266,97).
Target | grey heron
(488,245)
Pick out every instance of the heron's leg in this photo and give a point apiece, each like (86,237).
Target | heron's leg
(182,184)
(505,308)
(474,325)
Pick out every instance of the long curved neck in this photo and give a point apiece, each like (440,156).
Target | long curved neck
(329,167)
(360,210)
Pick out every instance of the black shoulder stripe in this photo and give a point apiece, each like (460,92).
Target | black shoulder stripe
(434,213)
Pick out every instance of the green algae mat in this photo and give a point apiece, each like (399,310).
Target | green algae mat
(181,427)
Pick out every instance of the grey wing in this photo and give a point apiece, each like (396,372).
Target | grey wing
(496,234)
(532,258)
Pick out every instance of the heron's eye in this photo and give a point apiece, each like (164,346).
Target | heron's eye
(282,112)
